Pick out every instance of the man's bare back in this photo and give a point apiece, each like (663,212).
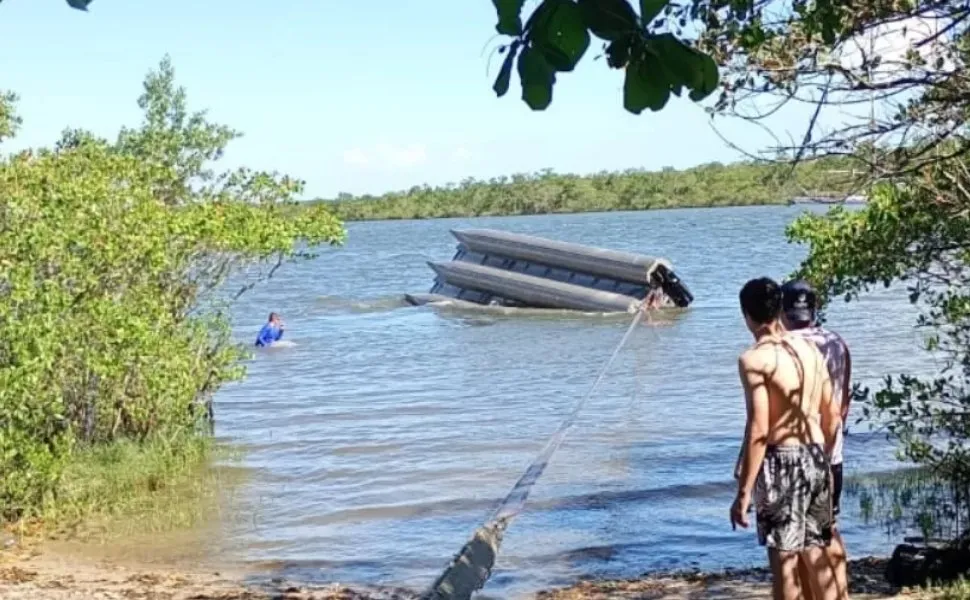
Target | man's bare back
(798,387)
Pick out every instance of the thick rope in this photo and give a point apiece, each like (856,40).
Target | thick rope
(471,567)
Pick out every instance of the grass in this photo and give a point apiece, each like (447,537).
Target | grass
(958,590)
(126,487)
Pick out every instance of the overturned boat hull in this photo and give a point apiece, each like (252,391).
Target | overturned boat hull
(621,266)
(502,268)
(528,290)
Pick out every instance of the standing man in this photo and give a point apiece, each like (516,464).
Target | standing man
(271,332)
(791,427)
(799,310)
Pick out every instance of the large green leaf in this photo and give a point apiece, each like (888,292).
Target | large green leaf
(509,16)
(609,19)
(538,78)
(709,79)
(685,66)
(680,63)
(505,73)
(645,85)
(560,34)
(649,9)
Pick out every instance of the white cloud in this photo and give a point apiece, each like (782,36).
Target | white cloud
(385,155)
(462,154)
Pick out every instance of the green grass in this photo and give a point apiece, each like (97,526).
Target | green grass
(125,487)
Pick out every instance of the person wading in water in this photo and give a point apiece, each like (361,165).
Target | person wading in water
(271,332)
(799,314)
(791,428)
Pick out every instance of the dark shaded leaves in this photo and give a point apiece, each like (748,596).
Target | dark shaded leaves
(618,52)
(685,67)
(609,19)
(709,78)
(505,73)
(645,85)
(649,9)
(559,32)
(509,16)
(538,77)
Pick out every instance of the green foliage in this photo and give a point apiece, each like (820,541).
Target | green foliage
(557,35)
(918,233)
(509,19)
(547,192)
(907,500)
(155,484)
(112,256)
(9,120)
(958,590)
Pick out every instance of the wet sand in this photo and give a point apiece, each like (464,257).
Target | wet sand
(29,574)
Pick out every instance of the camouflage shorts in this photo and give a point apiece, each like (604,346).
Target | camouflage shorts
(793,498)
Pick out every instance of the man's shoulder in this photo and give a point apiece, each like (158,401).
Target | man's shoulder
(757,357)
(820,335)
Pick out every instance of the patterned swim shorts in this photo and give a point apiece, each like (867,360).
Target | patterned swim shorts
(793,498)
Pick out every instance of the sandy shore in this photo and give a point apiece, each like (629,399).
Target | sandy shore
(29,574)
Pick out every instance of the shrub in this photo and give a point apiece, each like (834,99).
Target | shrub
(112,258)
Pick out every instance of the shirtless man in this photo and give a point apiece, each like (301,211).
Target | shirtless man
(790,432)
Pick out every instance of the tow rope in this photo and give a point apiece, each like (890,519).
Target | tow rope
(472,566)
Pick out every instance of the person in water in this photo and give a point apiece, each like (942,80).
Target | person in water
(799,315)
(271,332)
(790,431)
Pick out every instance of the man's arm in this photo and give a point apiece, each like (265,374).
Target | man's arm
(744,443)
(831,415)
(747,433)
(756,396)
(846,383)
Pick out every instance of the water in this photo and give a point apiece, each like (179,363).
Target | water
(384,435)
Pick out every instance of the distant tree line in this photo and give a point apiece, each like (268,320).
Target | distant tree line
(712,184)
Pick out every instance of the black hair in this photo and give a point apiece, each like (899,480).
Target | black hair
(271,315)
(761,300)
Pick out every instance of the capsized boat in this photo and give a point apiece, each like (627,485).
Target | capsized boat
(492,267)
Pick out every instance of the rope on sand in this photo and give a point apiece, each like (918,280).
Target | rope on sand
(472,566)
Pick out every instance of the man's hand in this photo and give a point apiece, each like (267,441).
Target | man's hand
(739,511)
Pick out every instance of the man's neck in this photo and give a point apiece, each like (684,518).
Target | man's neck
(769,330)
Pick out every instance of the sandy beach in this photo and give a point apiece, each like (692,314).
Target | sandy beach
(33,574)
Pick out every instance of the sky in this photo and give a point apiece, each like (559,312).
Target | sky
(356,96)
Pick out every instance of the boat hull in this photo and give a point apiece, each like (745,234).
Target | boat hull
(530,290)
(612,264)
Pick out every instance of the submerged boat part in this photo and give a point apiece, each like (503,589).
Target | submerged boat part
(494,267)
(529,290)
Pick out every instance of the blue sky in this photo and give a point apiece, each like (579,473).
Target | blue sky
(361,96)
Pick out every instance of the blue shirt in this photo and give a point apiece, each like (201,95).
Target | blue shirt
(268,334)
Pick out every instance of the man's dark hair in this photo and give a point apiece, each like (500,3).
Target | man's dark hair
(761,300)
(272,316)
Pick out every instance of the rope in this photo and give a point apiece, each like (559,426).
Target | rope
(471,567)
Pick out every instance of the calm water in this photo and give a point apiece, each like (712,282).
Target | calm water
(385,436)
